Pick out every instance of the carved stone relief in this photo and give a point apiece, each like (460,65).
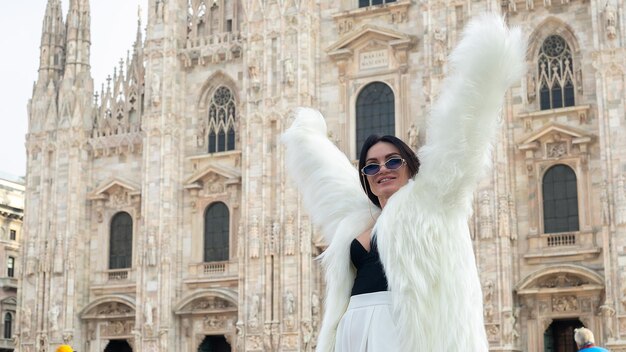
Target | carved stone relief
(565,303)
(562,280)
(488,290)
(486,221)
(493,332)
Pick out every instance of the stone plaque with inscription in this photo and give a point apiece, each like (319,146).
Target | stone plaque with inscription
(374,59)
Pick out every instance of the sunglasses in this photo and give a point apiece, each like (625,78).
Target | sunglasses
(392,164)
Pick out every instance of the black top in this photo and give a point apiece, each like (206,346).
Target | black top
(370,276)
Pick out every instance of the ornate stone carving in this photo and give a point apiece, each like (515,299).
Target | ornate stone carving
(486,228)
(610,20)
(607,312)
(510,329)
(488,300)
(290,75)
(271,239)
(562,280)
(440,46)
(345,26)
(210,303)
(565,303)
(116,328)
(493,330)
(556,150)
(306,330)
(214,322)
(113,309)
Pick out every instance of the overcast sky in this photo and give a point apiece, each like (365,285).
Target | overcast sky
(113,28)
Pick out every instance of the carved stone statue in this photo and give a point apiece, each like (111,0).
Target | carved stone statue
(290,303)
(610,20)
(439,46)
(607,312)
(290,76)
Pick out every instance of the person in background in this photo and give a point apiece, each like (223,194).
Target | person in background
(585,341)
(65,348)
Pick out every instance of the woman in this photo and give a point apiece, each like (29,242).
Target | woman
(416,221)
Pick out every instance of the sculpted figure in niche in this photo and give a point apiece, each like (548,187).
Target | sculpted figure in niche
(290,76)
(488,299)
(290,304)
(607,313)
(439,52)
(610,20)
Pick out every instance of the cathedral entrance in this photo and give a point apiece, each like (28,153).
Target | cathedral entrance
(118,346)
(559,337)
(214,343)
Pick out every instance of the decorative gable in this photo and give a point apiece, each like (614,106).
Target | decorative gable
(371,48)
(117,191)
(212,180)
(556,141)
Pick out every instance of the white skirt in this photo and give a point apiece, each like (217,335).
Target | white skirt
(367,325)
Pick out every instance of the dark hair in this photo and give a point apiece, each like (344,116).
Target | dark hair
(412,162)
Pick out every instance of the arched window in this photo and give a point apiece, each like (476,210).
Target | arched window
(216,229)
(556,77)
(221,130)
(121,241)
(375,112)
(560,200)
(8,326)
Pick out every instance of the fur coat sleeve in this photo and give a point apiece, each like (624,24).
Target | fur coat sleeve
(423,236)
(333,197)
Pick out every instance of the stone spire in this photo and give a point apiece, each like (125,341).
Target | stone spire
(51,57)
(78,36)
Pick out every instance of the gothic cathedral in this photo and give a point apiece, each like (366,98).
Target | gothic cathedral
(159,216)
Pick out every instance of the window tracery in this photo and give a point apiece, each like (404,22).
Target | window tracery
(221,121)
(556,74)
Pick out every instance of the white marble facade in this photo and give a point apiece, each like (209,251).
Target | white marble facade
(140,147)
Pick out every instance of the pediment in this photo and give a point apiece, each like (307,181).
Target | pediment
(114,186)
(554,131)
(560,278)
(11,301)
(367,35)
(212,173)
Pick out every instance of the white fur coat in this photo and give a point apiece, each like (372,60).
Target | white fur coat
(423,236)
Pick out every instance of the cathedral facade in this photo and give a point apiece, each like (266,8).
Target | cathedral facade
(159,216)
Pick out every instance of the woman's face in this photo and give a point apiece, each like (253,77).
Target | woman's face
(386,182)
